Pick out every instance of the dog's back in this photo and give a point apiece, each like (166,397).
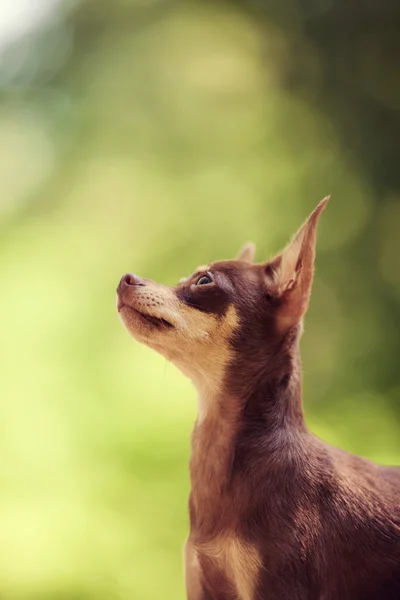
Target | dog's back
(341,530)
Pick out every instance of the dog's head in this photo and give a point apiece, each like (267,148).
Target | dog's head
(226,310)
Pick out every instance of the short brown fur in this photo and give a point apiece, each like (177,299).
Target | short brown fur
(275,513)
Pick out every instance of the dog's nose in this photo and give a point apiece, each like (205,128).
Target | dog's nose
(129,280)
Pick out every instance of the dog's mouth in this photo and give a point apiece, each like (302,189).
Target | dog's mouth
(158,322)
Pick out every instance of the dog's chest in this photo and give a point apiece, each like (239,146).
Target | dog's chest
(230,567)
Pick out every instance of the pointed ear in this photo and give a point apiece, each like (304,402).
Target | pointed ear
(289,276)
(247,253)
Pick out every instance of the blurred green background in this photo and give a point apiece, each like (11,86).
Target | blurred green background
(154,136)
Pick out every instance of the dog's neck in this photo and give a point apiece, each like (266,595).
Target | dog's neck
(212,460)
(264,418)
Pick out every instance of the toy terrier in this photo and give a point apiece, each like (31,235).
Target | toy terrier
(275,513)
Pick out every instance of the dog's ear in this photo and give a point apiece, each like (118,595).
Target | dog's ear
(289,276)
(247,253)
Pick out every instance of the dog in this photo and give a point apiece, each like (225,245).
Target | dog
(275,513)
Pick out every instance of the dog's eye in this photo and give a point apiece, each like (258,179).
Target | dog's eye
(204,280)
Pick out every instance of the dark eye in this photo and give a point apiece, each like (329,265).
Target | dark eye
(204,280)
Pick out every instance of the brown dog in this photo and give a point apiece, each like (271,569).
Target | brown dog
(276,514)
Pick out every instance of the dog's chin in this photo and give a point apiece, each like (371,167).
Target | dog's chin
(141,324)
(134,324)
(146,333)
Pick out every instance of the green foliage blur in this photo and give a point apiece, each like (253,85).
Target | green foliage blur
(154,136)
